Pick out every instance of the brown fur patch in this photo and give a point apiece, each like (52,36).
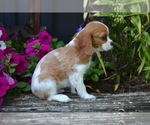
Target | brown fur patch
(84,46)
(50,69)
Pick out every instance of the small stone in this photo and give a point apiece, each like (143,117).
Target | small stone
(121,122)
(121,110)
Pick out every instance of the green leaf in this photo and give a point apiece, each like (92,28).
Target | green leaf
(54,39)
(133,53)
(90,87)
(103,14)
(126,29)
(8,56)
(147,55)
(38,45)
(140,68)
(102,2)
(110,65)
(27,74)
(146,38)
(118,79)
(101,61)
(27,88)
(35,58)
(147,68)
(1,24)
(89,71)
(11,70)
(126,2)
(116,87)
(95,77)
(136,21)
(13,65)
(60,44)
(135,7)
(118,46)
(93,64)
(21,84)
(100,72)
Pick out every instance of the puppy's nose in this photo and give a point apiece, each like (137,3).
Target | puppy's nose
(111,43)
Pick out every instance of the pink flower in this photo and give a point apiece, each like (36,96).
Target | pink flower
(15,34)
(45,38)
(8,50)
(21,62)
(13,85)
(44,50)
(30,41)
(31,44)
(22,65)
(31,50)
(1,54)
(14,58)
(29,82)
(1,67)
(3,34)
(4,86)
(6,82)
(12,82)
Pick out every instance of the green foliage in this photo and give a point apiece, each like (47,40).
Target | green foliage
(101,61)
(131,54)
(132,47)
(18,41)
(97,69)
(23,53)
(23,86)
(1,24)
(57,43)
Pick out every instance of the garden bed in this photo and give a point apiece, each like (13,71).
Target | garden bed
(125,87)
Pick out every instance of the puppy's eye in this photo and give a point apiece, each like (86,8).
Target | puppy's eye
(104,37)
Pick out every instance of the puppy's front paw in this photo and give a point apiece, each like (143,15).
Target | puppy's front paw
(90,97)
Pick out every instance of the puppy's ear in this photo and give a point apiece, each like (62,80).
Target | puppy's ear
(84,44)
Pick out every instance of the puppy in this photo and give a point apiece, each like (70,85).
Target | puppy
(65,67)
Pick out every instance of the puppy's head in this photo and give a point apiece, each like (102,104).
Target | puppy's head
(95,36)
(100,36)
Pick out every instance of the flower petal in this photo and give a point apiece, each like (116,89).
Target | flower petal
(2,45)
(9,79)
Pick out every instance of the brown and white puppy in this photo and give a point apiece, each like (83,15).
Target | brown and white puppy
(65,67)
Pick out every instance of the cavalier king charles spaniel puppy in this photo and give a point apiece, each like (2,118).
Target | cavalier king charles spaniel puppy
(65,67)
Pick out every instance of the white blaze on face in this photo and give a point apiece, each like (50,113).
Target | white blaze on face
(107,46)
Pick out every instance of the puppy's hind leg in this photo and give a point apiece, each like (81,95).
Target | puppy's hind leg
(53,93)
(73,90)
